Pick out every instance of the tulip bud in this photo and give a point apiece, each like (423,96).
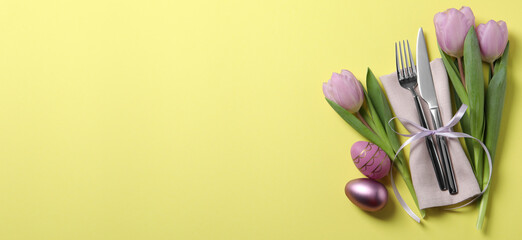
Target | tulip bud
(345,90)
(492,37)
(451,27)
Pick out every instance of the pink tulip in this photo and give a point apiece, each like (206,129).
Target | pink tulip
(345,90)
(492,37)
(451,27)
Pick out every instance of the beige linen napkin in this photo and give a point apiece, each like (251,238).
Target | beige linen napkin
(423,176)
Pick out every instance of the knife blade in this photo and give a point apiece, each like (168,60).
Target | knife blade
(426,87)
(427,92)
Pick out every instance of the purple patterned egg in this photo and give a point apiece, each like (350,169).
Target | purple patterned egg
(370,159)
(367,194)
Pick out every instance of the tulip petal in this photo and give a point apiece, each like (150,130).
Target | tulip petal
(353,90)
(504,35)
(347,74)
(451,27)
(470,18)
(345,90)
(327,91)
(492,38)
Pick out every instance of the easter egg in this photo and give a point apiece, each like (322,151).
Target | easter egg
(371,160)
(367,194)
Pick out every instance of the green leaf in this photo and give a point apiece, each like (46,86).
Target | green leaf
(494,105)
(383,109)
(379,100)
(453,74)
(367,117)
(383,143)
(475,86)
(502,62)
(465,125)
(504,59)
(356,124)
(377,125)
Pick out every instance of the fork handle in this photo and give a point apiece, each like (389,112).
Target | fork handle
(446,158)
(431,147)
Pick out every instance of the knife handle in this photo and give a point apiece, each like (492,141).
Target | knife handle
(446,158)
(441,180)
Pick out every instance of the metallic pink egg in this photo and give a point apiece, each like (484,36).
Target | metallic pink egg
(367,194)
(371,160)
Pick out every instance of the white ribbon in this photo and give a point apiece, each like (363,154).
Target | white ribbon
(444,131)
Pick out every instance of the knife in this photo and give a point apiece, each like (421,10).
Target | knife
(427,92)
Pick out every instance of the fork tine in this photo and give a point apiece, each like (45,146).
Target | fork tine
(412,64)
(408,68)
(402,64)
(397,63)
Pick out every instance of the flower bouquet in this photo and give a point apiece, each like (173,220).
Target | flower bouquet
(465,50)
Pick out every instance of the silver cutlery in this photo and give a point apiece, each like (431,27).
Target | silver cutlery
(407,76)
(427,92)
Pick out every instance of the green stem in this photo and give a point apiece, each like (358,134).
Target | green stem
(479,162)
(358,114)
(461,72)
(485,196)
(391,154)
(482,209)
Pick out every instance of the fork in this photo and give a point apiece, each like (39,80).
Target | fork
(407,75)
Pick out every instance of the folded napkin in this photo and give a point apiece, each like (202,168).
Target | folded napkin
(422,173)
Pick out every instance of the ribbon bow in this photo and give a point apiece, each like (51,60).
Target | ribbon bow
(442,131)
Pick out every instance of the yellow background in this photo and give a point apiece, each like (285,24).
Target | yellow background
(206,120)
